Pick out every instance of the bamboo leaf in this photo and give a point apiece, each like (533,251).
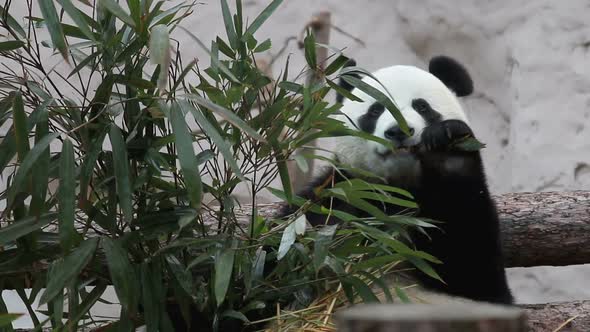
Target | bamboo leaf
(122,274)
(23,227)
(224,263)
(40,172)
(217,63)
(21,131)
(264,46)
(121,166)
(321,243)
(67,196)
(227,115)
(77,17)
(287,241)
(11,45)
(160,52)
(186,156)
(7,319)
(338,63)
(151,281)
(262,17)
(64,271)
(229,25)
(115,9)
(26,165)
(215,136)
(310,50)
(363,290)
(54,26)
(12,23)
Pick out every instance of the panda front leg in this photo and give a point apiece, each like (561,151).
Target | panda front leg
(453,189)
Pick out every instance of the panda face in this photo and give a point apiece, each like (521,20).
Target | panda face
(422,99)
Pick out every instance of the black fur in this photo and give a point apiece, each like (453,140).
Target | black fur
(426,112)
(368,121)
(452,74)
(452,188)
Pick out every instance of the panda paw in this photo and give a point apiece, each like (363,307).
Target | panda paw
(441,136)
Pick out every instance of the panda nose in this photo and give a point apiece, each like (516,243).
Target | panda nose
(395,133)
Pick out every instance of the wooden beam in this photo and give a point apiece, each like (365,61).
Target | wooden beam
(465,317)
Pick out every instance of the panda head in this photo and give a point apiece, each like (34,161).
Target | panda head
(423,97)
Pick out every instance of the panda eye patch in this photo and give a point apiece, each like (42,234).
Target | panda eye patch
(420,105)
(376,110)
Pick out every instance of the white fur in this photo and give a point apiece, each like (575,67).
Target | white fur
(404,84)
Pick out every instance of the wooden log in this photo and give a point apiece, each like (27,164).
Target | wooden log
(545,228)
(559,316)
(465,317)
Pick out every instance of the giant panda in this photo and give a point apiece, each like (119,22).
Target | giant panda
(448,183)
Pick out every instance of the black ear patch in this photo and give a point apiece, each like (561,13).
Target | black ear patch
(344,84)
(452,74)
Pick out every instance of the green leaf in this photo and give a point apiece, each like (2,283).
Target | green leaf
(64,271)
(262,17)
(224,263)
(77,17)
(236,315)
(425,267)
(380,97)
(215,136)
(12,23)
(186,156)
(40,172)
(122,274)
(67,196)
(21,131)
(320,247)
(287,241)
(229,25)
(217,63)
(227,115)
(160,52)
(291,86)
(115,9)
(121,165)
(402,295)
(11,45)
(151,281)
(363,290)
(7,319)
(26,165)
(310,50)
(23,227)
(344,92)
(301,163)
(264,46)
(335,65)
(83,309)
(468,144)
(54,26)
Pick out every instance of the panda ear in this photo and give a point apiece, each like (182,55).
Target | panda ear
(344,84)
(452,74)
